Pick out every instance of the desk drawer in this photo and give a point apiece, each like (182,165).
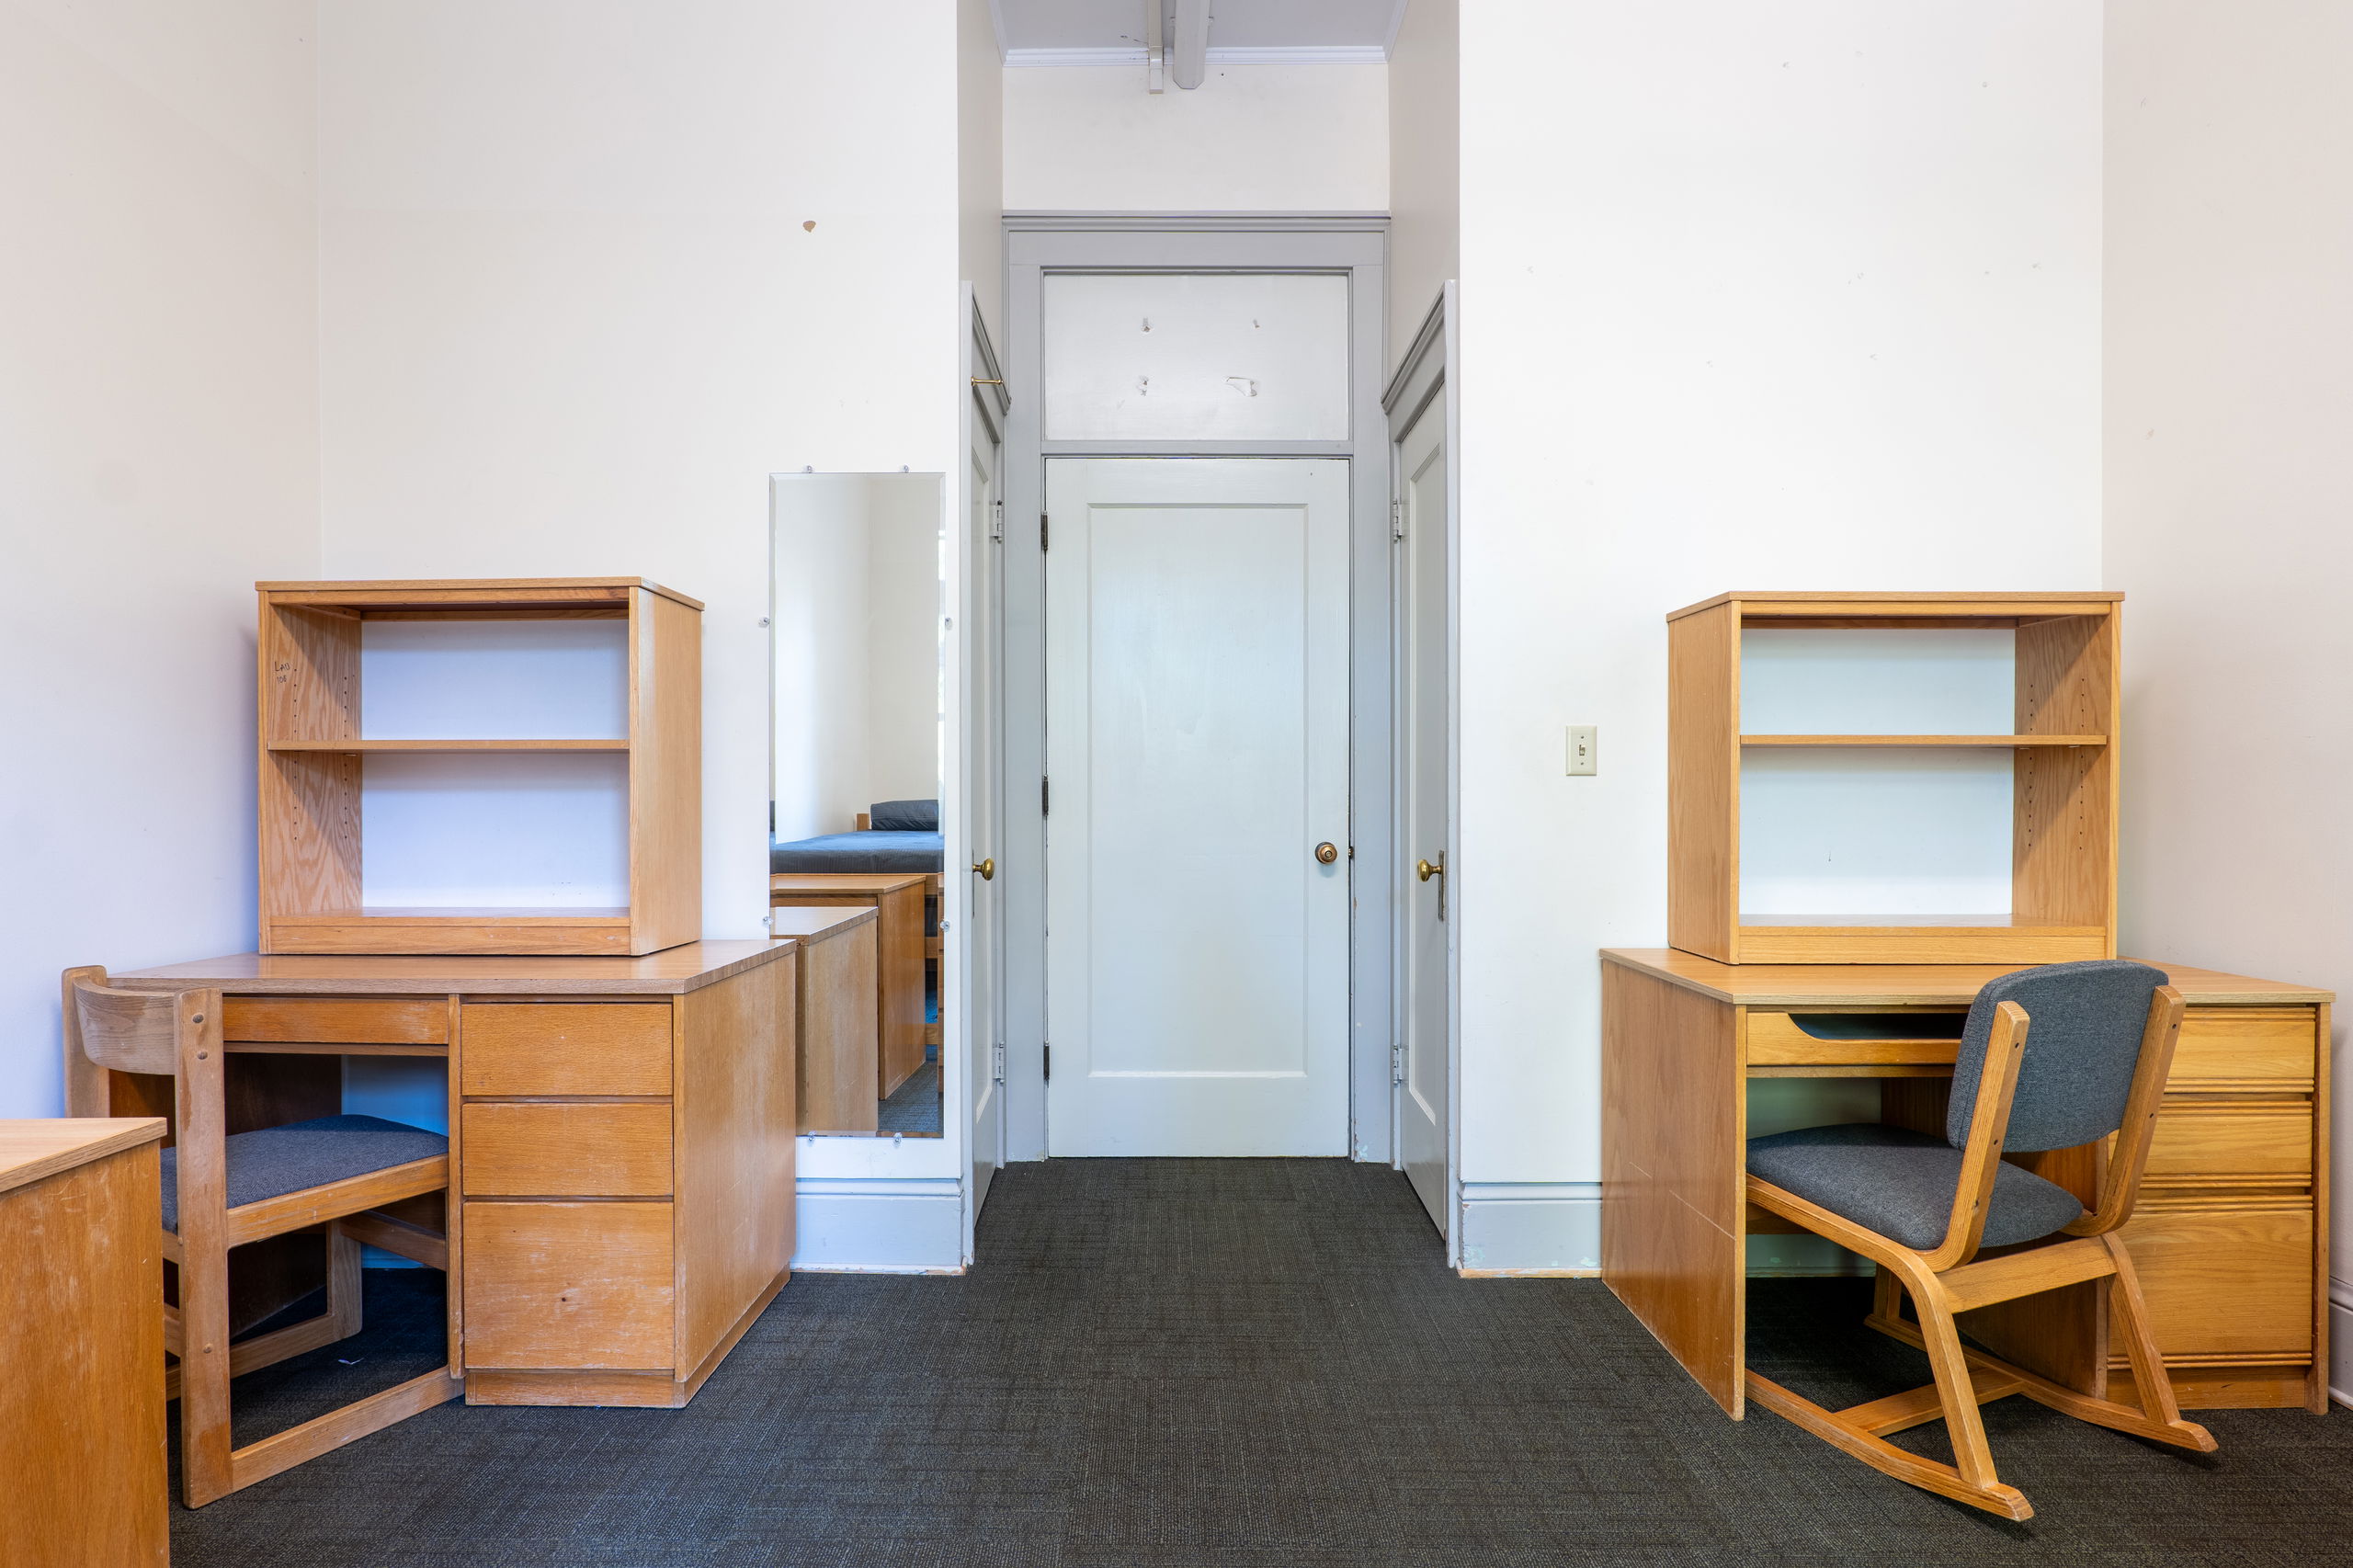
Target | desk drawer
(532,1150)
(2225,1140)
(565,1047)
(2224,1281)
(1781,1040)
(569,1286)
(319,1020)
(2237,1048)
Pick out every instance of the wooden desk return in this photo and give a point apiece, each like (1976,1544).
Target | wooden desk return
(2230,1238)
(897,897)
(82,1337)
(838,1017)
(621,1130)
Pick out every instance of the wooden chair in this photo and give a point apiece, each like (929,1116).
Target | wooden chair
(223,1191)
(1920,1207)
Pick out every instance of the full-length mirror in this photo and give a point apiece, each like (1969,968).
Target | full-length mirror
(854,842)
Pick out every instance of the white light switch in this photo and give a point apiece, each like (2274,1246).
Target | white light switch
(1583,758)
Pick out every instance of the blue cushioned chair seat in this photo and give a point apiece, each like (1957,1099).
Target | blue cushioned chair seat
(275,1161)
(858,852)
(1901,1183)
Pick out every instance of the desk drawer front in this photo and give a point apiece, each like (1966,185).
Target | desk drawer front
(569,1286)
(564,1047)
(566,1150)
(2226,1281)
(2213,1142)
(2224,1048)
(313,1020)
(1778,1039)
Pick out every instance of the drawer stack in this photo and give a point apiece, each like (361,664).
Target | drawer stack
(2232,1209)
(565,1143)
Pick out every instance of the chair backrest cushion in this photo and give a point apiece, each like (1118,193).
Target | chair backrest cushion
(2083,1041)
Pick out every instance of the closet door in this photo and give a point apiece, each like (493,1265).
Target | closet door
(1197,719)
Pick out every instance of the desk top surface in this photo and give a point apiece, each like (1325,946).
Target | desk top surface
(811,922)
(31,1150)
(844,882)
(672,972)
(1914,985)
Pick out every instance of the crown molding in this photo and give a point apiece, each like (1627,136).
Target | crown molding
(1303,54)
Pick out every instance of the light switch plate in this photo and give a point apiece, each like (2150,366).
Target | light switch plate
(1583,758)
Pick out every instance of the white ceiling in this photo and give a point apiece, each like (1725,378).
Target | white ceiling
(1304,29)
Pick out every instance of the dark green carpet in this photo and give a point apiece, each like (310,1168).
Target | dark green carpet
(1207,1363)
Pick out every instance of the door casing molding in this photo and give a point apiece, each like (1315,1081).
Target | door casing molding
(1353,244)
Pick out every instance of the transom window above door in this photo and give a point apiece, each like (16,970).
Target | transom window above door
(1195,356)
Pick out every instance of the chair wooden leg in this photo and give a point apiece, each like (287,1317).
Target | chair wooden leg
(1832,1427)
(1972,1455)
(2149,1374)
(204,1380)
(343,1280)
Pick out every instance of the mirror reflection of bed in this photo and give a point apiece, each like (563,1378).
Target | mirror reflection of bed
(855,845)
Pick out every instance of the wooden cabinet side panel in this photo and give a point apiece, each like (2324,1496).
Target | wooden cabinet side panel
(2064,822)
(900,919)
(81,1334)
(735,1124)
(1703,783)
(1673,1150)
(666,773)
(841,1025)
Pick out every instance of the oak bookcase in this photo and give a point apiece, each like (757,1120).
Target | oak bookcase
(314,753)
(2063,740)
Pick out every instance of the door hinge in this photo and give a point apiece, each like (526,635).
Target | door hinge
(1049,1064)
(996,522)
(996,1062)
(1044,525)
(1045,797)
(1397,1064)
(1397,519)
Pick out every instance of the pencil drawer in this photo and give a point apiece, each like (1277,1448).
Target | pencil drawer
(2226,1281)
(1817,1039)
(569,1286)
(321,1020)
(576,1150)
(2197,1140)
(2223,1049)
(564,1047)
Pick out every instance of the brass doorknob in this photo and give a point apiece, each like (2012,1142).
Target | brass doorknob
(987,868)
(1425,870)
(1327,852)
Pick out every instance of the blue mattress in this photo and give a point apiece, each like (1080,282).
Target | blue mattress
(858,852)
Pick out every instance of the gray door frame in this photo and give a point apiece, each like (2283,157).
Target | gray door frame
(1357,245)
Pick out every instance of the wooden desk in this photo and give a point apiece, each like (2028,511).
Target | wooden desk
(897,899)
(839,1013)
(621,1130)
(2230,1236)
(82,1337)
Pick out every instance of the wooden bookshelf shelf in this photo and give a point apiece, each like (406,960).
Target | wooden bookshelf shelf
(313,756)
(366,745)
(2063,779)
(1924,740)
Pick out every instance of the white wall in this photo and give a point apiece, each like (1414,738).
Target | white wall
(1424,159)
(1250,138)
(158,455)
(574,315)
(2230,393)
(902,637)
(980,160)
(1754,296)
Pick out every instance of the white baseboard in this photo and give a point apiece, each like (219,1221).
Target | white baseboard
(1532,1228)
(870,1225)
(1553,1229)
(2340,1341)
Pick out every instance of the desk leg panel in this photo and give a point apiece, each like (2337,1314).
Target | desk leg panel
(1674,1134)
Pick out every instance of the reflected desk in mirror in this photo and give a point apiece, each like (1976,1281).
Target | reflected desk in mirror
(897,899)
